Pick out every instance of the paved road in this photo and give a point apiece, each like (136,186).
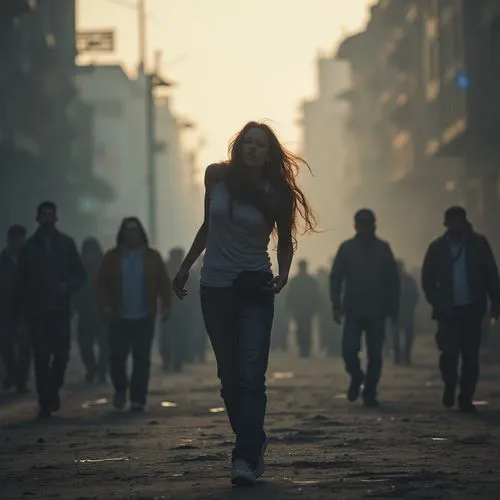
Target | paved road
(321,447)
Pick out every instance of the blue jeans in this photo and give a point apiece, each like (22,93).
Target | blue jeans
(374,329)
(240,333)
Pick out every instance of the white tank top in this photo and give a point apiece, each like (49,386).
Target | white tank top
(236,242)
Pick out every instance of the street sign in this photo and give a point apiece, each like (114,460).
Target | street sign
(95,41)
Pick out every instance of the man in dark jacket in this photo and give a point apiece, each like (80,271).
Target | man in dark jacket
(14,342)
(365,271)
(302,303)
(404,330)
(50,271)
(459,275)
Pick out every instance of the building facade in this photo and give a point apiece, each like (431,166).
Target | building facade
(466,42)
(39,136)
(120,144)
(393,123)
(121,157)
(323,147)
(178,196)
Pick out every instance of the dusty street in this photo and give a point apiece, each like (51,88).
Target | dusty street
(321,447)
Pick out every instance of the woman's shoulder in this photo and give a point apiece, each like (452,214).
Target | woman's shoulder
(214,173)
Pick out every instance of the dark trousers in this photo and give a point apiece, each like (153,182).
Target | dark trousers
(374,329)
(16,354)
(135,337)
(198,343)
(329,335)
(279,337)
(174,336)
(240,333)
(402,340)
(92,333)
(51,337)
(459,336)
(303,324)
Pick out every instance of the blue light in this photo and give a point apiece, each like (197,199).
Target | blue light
(463,80)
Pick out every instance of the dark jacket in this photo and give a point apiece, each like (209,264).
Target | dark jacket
(85,300)
(8,285)
(43,271)
(364,280)
(482,272)
(409,296)
(303,296)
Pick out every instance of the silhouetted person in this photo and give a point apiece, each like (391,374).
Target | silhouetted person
(91,328)
(50,271)
(14,342)
(459,275)
(364,287)
(302,302)
(174,333)
(281,323)
(329,332)
(246,198)
(130,283)
(197,337)
(405,326)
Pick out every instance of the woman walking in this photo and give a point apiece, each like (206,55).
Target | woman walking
(247,198)
(91,328)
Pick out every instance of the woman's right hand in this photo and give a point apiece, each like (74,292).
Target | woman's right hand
(179,283)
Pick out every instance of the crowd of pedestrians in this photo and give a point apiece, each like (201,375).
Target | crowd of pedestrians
(123,296)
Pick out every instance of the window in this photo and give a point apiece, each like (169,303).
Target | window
(402,155)
(434,9)
(50,40)
(412,13)
(431,28)
(431,52)
(452,41)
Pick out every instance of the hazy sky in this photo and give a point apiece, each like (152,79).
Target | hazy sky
(233,60)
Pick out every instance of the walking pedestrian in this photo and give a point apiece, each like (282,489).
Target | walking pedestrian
(14,341)
(174,334)
(247,198)
(330,333)
(50,272)
(459,276)
(404,329)
(364,287)
(91,328)
(302,303)
(131,281)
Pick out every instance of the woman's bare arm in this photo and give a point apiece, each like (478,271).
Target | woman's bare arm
(212,175)
(285,248)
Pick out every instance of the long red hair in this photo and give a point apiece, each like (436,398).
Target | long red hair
(282,173)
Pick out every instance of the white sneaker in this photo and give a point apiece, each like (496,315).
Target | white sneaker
(242,474)
(259,470)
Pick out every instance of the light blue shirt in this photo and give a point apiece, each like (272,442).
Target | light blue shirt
(134,301)
(461,289)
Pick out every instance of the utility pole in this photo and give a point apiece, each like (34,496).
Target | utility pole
(141,18)
(150,120)
(151,156)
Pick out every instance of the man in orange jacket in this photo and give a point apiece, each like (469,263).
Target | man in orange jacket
(130,283)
